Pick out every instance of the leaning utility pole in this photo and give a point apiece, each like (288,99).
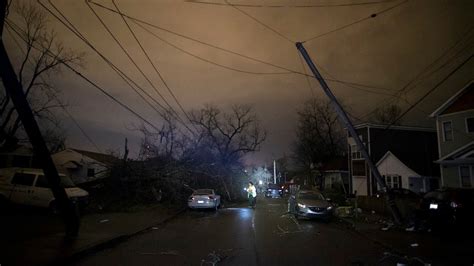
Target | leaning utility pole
(347,122)
(15,91)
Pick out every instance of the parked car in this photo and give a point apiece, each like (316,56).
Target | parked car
(286,188)
(273,191)
(28,186)
(448,208)
(204,199)
(310,204)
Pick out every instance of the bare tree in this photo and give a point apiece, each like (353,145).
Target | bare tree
(35,67)
(231,134)
(228,136)
(167,143)
(387,114)
(320,136)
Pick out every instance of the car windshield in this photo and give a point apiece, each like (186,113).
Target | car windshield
(203,192)
(273,186)
(439,195)
(311,196)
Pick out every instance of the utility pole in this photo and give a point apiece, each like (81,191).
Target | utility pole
(15,90)
(274,172)
(347,123)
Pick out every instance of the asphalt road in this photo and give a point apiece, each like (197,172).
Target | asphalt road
(242,236)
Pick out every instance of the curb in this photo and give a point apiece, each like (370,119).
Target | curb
(108,243)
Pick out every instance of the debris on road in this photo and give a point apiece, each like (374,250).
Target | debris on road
(414,245)
(103,221)
(170,252)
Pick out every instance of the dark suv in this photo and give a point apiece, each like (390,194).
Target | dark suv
(448,208)
(273,191)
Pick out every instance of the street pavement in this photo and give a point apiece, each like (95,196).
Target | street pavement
(30,236)
(266,235)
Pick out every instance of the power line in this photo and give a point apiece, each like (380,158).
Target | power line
(119,72)
(293,6)
(289,71)
(116,69)
(204,59)
(289,40)
(138,68)
(51,54)
(430,91)
(153,65)
(355,22)
(425,73)
(57,99)
(351,84)
(260,22)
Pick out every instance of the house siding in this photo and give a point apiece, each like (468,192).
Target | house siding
(79,174)
(421,144)
(450,175)
(460,134)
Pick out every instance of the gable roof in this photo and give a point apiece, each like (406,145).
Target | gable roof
(390,154)
(422,165)
(100,157)
(392,127)
(453,98)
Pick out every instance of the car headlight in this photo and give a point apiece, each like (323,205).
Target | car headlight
(301,205)
(329,208)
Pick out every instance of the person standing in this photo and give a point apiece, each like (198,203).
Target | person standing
(252,194)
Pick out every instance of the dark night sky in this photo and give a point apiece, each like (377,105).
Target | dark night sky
(385,52)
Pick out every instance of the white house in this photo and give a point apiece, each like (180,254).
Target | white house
(83,166)
(398,175)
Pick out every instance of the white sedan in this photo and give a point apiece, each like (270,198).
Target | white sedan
(204,199)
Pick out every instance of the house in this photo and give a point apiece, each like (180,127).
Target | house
(455,128)
(335,174)
(398,174)
(415,147)
(83,166)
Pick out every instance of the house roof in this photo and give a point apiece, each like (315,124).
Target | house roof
(453,98)
(100,157)
(464,154)
(422,165)
(388,154)
(399,127)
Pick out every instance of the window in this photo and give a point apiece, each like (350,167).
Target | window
(393,181)
(90,172)
(42,182)
(470,125)
(447,131)
(355,153)
(358,168)
(465,175)
(23,179)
